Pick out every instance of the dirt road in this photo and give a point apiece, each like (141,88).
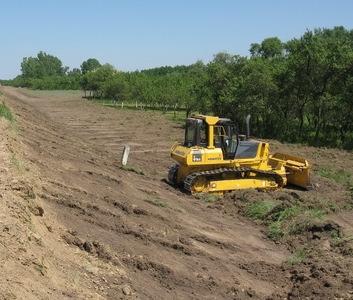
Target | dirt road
(126,233)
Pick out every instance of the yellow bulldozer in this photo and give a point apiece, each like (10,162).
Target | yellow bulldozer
(214,158)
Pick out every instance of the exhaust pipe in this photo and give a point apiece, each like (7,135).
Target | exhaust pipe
(247,120)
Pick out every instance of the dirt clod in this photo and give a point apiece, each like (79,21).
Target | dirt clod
(37,210)
(88,246)
(127,290)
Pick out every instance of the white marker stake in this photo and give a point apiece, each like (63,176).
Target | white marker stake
(125,155)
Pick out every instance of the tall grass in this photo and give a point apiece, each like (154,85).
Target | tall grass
(283,220)
(259,209)
(6,113)
(54,93)
(341,176)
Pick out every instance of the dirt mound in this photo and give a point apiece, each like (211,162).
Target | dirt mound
(322,277)
(35,263)
(321,261)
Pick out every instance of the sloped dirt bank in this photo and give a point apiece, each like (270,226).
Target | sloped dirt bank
(111,232)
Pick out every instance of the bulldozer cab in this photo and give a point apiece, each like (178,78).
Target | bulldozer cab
(226,138)
(195,133)
(224,135)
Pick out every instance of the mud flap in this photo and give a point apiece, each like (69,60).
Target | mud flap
(297,169)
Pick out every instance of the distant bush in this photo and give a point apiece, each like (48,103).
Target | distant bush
(55,83)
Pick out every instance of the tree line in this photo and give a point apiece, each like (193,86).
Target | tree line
(296,91)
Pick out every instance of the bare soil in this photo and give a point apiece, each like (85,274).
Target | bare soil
(75,224)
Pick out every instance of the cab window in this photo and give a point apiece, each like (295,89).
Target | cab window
(195,133)
(190,134)
(226,138)
(203,135)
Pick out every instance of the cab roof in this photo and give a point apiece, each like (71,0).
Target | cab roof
(211,120)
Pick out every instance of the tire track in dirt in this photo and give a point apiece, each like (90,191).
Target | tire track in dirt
(171,244)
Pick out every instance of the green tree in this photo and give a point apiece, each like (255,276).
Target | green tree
(94,81)
(89,65)
(199,90)
(224,80)
(320,61)
(42,66)
(116,88)
(269,48)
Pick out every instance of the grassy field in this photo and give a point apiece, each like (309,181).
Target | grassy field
(178,116)
(53,93)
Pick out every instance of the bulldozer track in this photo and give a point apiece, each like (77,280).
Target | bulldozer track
(241,171)
(172,174)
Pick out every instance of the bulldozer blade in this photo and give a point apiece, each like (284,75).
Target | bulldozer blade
(297,169)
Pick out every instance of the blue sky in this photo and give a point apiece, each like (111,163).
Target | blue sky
(136,34)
